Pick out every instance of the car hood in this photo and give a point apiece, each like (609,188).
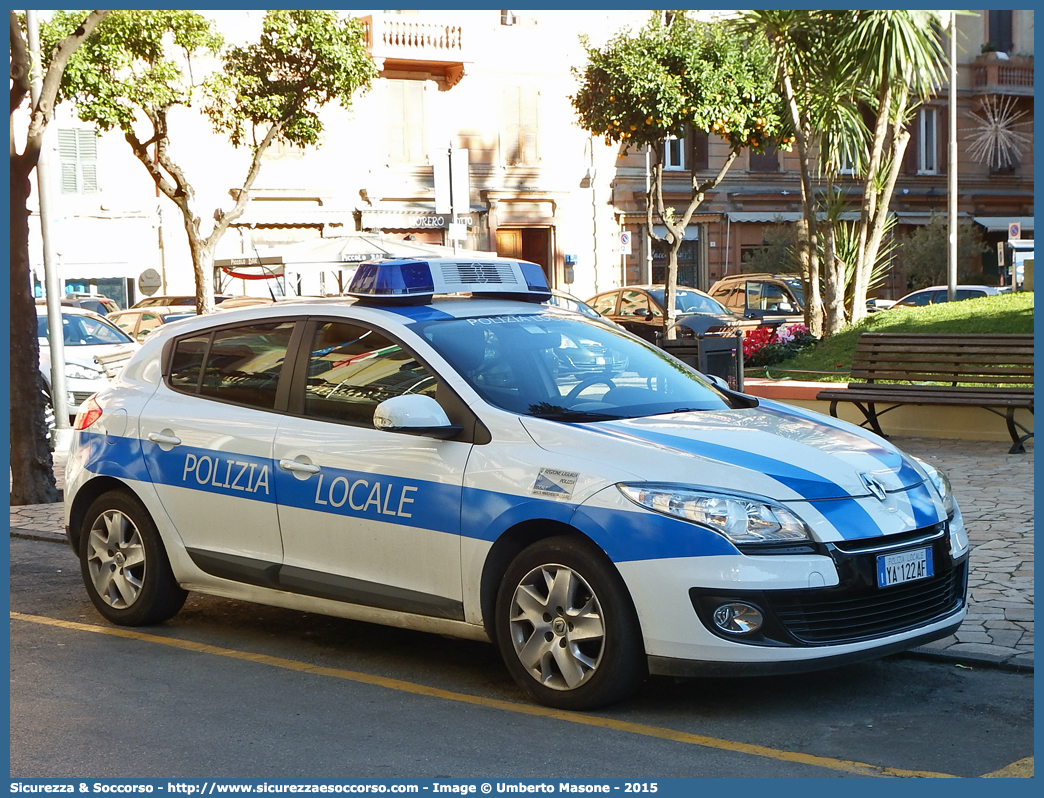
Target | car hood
(84,355)
(770,450)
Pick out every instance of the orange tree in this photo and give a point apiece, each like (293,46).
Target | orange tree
(137,67)
(675,74)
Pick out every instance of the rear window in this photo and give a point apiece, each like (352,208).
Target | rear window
(240,364)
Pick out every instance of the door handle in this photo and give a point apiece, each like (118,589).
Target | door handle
(167,440)
(294,465)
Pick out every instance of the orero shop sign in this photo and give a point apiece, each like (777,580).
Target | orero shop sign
(406,220)
(439,222)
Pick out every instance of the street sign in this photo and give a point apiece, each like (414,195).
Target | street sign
(1014,231)
(1000,253)
(625,243)
(149,282)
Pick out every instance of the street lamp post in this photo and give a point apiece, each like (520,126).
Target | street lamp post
(951,284)
(52,281)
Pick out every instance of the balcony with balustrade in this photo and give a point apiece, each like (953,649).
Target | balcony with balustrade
(399,44)
(993,74)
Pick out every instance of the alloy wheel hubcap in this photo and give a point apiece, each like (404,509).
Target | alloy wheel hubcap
(116,559)
(557,627)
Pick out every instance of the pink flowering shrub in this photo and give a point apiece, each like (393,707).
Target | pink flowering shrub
(767,346)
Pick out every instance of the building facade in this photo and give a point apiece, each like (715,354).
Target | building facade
(493,88)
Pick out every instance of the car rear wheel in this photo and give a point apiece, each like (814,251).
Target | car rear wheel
(124,565)
(566,627)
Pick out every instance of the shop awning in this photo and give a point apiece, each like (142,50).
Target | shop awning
(765,217)
(999,224)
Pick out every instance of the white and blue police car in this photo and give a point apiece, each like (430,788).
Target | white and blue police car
(447,453)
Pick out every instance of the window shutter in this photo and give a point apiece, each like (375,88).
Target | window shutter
(87,145)
(69,182)
(700,141)
(89,173)
(913,147)
(405,121)
(415,121)
(78,153)
(529,113)
(396,128)
(512,126)
(521,125)
(67,148)
(765,162)
(1001,28)
(942,140)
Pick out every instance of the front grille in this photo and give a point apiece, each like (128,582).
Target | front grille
(79,397)
(838,615)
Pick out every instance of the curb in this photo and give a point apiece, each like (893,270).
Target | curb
(1020,663)
(35,534)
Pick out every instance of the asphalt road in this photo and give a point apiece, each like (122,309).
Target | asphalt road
(233,690)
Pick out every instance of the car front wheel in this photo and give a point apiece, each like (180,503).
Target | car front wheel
(124,565)
(566,627)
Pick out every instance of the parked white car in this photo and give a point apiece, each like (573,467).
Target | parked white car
(495,468)
(938,293)
(86,335)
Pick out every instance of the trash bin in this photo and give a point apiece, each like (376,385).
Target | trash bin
(720,354)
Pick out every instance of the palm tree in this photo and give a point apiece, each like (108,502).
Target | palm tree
(833,66)
(899,55)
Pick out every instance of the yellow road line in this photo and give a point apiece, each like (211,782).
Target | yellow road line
(1023,769)
(858,768)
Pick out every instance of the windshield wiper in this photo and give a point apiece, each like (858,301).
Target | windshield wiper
(558,413)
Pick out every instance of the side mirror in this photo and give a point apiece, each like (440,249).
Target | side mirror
(785,307)
(414,414)
(717,381)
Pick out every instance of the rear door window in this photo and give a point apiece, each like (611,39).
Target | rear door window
(242,364)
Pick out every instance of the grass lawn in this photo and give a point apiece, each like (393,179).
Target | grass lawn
(831,359)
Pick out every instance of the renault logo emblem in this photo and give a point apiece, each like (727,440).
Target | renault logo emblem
(874,486)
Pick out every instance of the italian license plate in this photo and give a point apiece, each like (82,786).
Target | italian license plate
(904,566)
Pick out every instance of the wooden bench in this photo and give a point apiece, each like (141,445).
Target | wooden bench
(994,372)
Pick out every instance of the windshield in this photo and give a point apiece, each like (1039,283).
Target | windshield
(82,331)
(573,304)
(795,286)
(687,301)
(567,369)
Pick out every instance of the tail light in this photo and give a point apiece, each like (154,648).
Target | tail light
(90,411)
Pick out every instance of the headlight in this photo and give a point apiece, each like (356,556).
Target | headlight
(78,372)
(738,518)
(942,484)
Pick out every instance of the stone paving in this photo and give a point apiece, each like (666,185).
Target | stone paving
(995,492)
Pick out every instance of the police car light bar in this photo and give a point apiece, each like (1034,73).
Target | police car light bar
(410,281)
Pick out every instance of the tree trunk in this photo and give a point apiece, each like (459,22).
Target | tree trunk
(813,298)
(670,290)
(32,477)
(833,280)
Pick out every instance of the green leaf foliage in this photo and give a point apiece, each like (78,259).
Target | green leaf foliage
(148,61)
(134,61)
(926,253)
(643,87)
(304,60)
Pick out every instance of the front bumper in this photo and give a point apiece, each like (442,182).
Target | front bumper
(820,609)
